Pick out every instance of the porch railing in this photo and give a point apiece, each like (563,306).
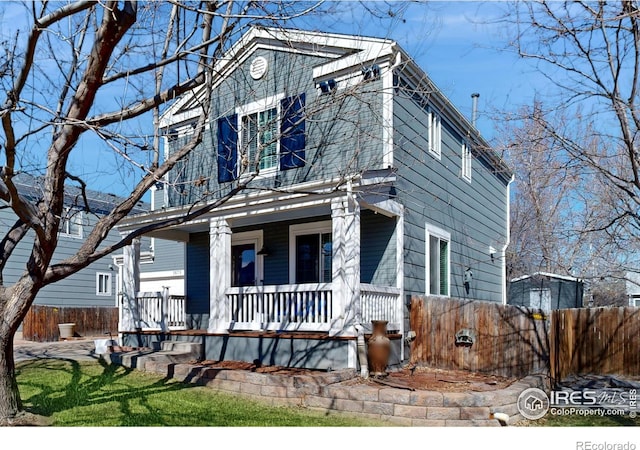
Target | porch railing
(307,307)
(161,312)
(303,307)
(381,303)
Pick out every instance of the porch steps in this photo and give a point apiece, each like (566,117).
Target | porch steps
(170,352)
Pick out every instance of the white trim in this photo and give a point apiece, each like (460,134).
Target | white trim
(546,274)
(387,118)
(301,229)
(432,230)
(257,107)
(109,276)
(434,133)
(466,163)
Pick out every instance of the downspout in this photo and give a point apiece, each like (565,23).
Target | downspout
(508,241)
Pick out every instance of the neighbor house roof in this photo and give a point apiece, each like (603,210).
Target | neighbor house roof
(99,202)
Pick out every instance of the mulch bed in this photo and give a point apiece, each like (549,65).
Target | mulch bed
(412,378)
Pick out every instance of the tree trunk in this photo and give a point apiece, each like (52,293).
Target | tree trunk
(10,403)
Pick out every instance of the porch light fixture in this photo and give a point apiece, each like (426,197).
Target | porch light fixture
(264,251)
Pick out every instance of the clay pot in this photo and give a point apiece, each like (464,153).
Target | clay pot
(378,349)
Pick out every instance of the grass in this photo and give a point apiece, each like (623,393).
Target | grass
(576,420)
(92,394)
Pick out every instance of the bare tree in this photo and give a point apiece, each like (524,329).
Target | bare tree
(77,77)
(83,80)
(590,54)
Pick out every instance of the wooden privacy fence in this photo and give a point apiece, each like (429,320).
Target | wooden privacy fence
(595,340)
(515,341)
(41,322)
(506,340)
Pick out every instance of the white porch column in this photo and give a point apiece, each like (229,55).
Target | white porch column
(219,275)
(129,315)
(345,287)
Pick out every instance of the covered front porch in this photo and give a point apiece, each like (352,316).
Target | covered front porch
(316,270)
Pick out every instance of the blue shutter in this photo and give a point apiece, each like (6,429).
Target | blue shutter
(227,148)
(292,132)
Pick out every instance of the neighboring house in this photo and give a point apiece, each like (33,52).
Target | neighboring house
(93,286)
(546,291)
(633,288)
(161,260)
(370,187)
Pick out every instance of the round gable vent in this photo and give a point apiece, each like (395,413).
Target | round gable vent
(258,68)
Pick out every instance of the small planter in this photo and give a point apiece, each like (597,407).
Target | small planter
(378,349)
(67,330)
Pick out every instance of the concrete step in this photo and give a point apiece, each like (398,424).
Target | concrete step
(170,352)
(181,347)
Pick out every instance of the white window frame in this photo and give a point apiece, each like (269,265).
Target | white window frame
(256,107)
(72,217)
(434,129)
(441,235)
(466,161)
(322,227)
(109,283)
(255,238)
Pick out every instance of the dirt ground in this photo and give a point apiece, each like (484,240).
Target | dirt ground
(417,378)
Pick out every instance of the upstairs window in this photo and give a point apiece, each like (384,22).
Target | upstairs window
(434,133)
(259,139)
(263,136)
(71,223)
(466,161)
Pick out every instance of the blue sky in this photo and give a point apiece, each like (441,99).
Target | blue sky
(461,47)
(455,42)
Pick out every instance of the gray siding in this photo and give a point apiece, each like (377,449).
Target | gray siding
(433,192)
(342,129)
(78,289)
(167,255)
(378,249)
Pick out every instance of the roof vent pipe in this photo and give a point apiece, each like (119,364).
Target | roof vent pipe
(474,107)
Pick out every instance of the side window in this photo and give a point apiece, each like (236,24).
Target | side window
(467,159)
(435,133)
(103,283)
(71,223)
(437,261)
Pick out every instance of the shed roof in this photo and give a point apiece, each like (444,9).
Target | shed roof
(546,274)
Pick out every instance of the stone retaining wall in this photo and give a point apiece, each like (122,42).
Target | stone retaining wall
(331,392)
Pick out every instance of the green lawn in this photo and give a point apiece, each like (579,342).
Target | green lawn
(100,395)
(584,421)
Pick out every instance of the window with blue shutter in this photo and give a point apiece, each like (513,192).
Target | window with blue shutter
(227,148)
(292,132)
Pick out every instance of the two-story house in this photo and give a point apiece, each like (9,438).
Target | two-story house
(364,186)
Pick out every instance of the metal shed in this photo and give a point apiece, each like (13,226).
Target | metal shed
(546,291)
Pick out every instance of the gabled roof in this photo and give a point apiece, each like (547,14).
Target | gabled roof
(98,202)
(344,52)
